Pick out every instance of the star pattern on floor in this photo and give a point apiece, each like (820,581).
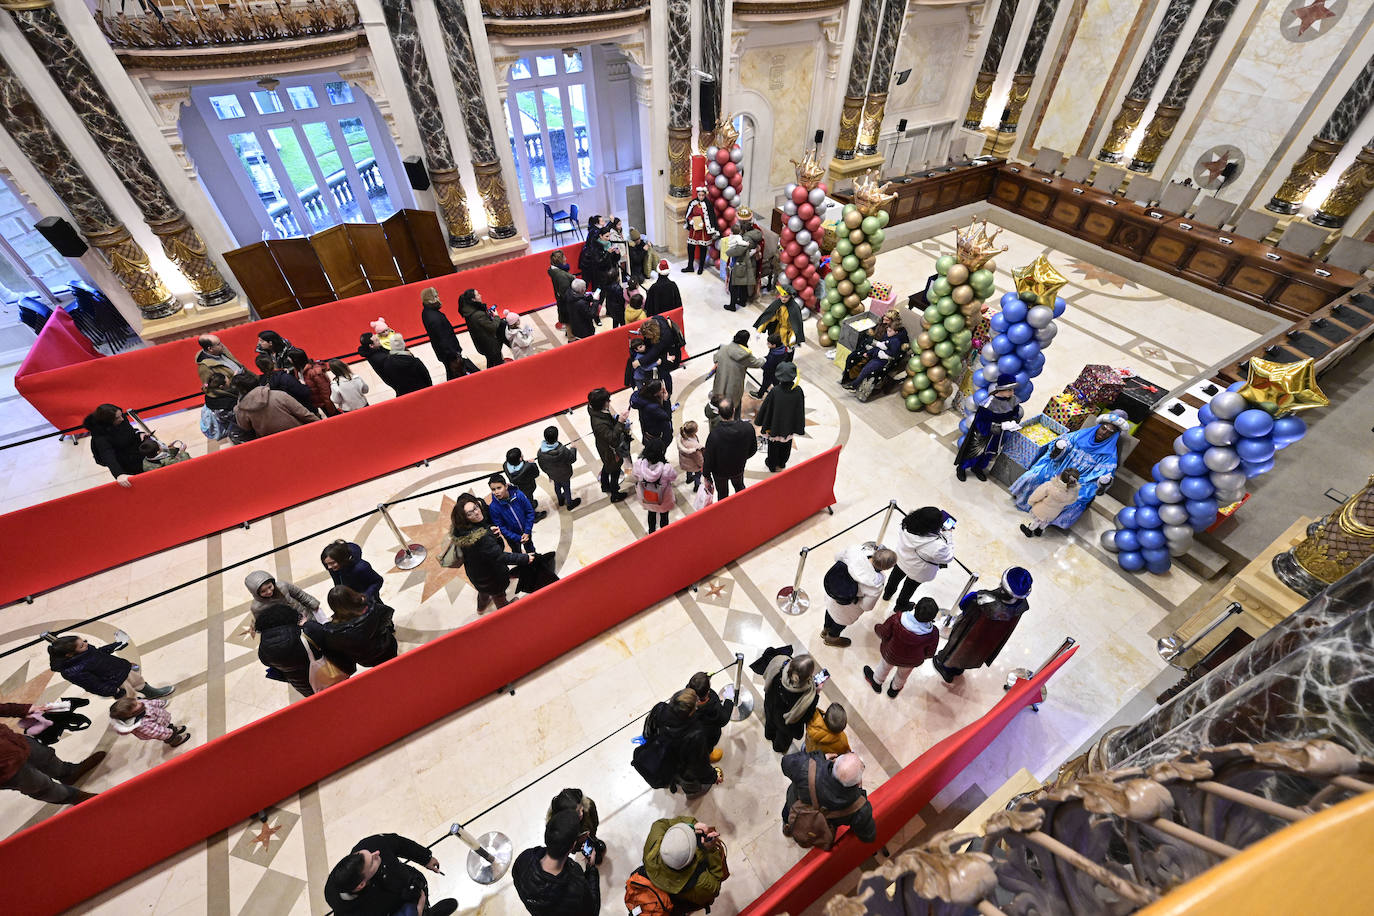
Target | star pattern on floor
(261,840)
(433,533)
(1152,352)
(716,591)
(267,832)
(1216,165)
(20,688)
(1310,15)
(1090,271)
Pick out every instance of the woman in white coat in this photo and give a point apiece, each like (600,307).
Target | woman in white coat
(852,586)
(924,547)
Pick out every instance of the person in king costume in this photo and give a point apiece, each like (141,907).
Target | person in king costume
(983,440)
(784,316)
(701,231)
(1093,451)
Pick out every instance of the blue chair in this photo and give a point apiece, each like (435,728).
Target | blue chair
(568,223)
(576,222)
(552,218)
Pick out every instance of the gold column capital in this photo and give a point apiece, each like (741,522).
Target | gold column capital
(1304,175)
(679,161)
(491,187)
(1156,135)
(874,107)
(1350,190)
(1125,123)
(187,250)
(448,191)
(978,101)
(1016,100)
(129,262)
(850,116)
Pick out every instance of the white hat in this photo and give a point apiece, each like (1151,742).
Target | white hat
(677,846)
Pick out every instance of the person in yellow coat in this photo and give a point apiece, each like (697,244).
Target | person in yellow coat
(825,731)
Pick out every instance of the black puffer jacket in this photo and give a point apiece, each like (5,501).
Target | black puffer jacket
(487,331)
(487,562)
(368,640)
(691,738)
(97,670)
(280,647)
(442,337)
(401,371)
(115,447)
(571,892)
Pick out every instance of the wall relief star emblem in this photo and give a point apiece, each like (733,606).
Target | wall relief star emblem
(1305,20)
(1218,166)
(433,533)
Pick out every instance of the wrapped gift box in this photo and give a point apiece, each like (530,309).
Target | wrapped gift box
(881,290)
(1138,398)
(853,326)
(1097,385)
(1023,445)
(830,234)
(1067,410)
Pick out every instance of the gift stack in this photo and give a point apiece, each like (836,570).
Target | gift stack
(1023,445)
(1095,390)
(1067,410)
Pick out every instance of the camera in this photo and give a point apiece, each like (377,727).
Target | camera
(587,848)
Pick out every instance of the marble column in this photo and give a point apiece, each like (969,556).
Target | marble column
(856,90)
(712,62)
(992,60)
(1333,547)
(128,261)
(67,65)
(1170,107)
(462,65)
(679,98)
(1350,190)
(884,51)
(1311,676)
(1024,76)
(424,102)
(1146,76)
(1326,145)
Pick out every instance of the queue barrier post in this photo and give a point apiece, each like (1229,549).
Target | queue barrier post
(945,621)
(1170,647)
(1025,674)
(410,555)
(891,507)
(744,702)
(792,599)
(490,857)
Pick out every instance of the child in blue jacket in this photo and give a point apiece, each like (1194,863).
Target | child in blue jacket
(512,512)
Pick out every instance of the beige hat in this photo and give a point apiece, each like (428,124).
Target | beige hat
(677,846)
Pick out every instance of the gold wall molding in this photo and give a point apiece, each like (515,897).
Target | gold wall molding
(553,9)
(567,25)
(224,24)
(173,60)
(764,9)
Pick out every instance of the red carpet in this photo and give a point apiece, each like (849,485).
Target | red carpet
(64,389)
(897,801)
(108,525)
(219,785)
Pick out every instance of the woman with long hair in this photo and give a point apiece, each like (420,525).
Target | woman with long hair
(115,442)
(483,555)
(346,391)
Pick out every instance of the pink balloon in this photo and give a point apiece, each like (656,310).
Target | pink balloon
(723,157)
(793,249)
(720,203)
(801,260)
(805,211)
(729,216)
(813,225)
(799,196)
(786,257)
(823,186)
(787,234)
(729,169)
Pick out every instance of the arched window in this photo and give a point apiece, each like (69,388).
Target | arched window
(305,153)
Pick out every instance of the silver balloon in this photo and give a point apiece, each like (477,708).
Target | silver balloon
(789,208)
(713,168)
(722,181)
(1173,514)
(1221,458)
(795,224)
(1108,540)
(1046,334)
(1039,316)
(803,237)
(1228,481)
(988,353)
(1219,432)
(791,186)
(1177,532)
(812,250)
(711,153)
(1168,467)
(1228,405)
(728,193)
(1180,449)
(736,155)
(1178,548)
(817,197)
(968,406)
(1168,492)
(1226,497)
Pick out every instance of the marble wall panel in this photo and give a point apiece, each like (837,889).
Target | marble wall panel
(1086,72)
(997,41)
(775,72)
(679,63)
(410,54)
(467,80)
(864,37)
(931,53)
(1266,90)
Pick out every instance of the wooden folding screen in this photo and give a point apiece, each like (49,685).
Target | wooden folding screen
(261,280)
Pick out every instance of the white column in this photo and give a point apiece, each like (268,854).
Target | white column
(493,90)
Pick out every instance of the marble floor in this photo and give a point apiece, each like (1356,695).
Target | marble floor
(473,760)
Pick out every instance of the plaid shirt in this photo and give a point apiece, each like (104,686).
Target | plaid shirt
(156,722)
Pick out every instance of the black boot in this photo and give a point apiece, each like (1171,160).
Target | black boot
(961,474)
(1028,531)
(980,474)
(868,676)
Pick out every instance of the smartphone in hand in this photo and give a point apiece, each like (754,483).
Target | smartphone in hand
(821,677)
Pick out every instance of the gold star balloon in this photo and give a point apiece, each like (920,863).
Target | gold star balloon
(869,196)
(809,171)
(1039,277)
(1283,388)
(725,132)
(974,246)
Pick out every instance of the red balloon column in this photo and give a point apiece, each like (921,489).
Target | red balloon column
(724,176)
(800,243)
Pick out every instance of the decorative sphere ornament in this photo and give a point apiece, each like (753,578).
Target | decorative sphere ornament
(944,262)
(928,396)
(1254,423)
(803,237)
(877,238)
(1013,311)
(1108,540)
(944,349)
(908,388)
(937,374)
(1228,405)
(957,274)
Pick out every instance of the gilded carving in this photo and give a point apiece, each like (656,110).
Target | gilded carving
(1350,190)
(978,101)
(679,161)
(219,24)
(184,246)
(491,187)
(129,262)
(872,123)
(566,25)
(1127,120)
(448,191)
(1333,547)
(1156,135)
(554,9)
(850,115)
(216,56)
(1309,168)
(1016,100)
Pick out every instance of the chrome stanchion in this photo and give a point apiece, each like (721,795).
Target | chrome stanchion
(490,857)
(891,507)
(1025,674)
(945,620)
(410,555)
(1170,648)
(744,702)
(792,600)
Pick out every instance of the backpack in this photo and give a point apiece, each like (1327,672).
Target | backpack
(656,758)
(642,898)
(840,585)
(808,823)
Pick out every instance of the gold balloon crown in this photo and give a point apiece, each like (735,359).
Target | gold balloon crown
(809,172)
(725,132)
(1039,277)
(974,246)
(869,196)
(1283,388)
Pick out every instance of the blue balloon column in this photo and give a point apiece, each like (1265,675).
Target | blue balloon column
(1021,332)
(1233,441)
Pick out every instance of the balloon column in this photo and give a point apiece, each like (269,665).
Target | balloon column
(1237,434)
(725,178)
(1021,332)
(861,236)
(800,241)
(955,300)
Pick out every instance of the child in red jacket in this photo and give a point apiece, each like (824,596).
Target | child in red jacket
(908,639)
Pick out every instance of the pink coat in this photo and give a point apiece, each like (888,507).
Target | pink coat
(660,479)
(689,454)
(154,725)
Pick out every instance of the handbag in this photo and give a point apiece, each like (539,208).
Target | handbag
(704,496)
(808,824)
(452,557)
(323,672)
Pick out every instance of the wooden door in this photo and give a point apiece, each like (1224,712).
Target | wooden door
(340,262)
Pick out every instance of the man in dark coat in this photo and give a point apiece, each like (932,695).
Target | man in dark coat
(983,440)
(550,883)
(744,248)
(401,371)
(373,881)
(442,337)
(782,416)
(987,619)
(561,276)
(728,449)
(579,312)
(838,788)
(664,296)
(612,440)
(691,740)
(790,695)
(487,330)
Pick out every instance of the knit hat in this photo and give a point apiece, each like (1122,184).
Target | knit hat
(379,326)
(634,235)
(663,266)
(677,846)
(512,319)
(1004,381)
